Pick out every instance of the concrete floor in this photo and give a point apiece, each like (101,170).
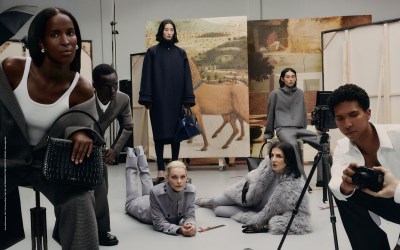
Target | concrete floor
(209,181)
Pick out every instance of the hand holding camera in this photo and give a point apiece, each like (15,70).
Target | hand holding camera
(389,186)
(361,177)
(368,178)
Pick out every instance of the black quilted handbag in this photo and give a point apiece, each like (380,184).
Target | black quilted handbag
(59,169)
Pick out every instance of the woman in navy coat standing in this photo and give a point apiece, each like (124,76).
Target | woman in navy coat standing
(166,86)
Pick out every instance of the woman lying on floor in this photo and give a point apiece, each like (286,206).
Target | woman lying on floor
(156,205)
(265,199)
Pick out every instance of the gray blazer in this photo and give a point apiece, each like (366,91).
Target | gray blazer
(120,109)
(166,216)
(18,154)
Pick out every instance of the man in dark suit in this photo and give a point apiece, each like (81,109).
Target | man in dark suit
(111,104)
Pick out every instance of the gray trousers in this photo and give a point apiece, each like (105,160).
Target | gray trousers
(224,206)
(138,204)
(290,135)
(75,226)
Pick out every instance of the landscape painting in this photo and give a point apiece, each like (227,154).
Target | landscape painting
(280,43)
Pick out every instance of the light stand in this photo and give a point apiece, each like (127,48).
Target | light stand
(114,34)
(324,155)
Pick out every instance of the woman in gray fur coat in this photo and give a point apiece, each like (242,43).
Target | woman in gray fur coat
(264,200)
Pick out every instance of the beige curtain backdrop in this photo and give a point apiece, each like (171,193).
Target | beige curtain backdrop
(368,56)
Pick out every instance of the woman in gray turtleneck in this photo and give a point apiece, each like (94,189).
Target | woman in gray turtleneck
(288,116)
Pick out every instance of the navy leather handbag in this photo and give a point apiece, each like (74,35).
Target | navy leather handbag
(188,126)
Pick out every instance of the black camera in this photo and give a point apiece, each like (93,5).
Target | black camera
(321,116)
(365,177)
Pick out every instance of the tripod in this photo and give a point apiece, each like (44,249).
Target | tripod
(324,155)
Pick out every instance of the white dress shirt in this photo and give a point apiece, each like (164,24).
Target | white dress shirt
(388,155)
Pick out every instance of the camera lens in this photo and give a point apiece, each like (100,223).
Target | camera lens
(361,179)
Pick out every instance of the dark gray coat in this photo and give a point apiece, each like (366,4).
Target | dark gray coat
(166,85)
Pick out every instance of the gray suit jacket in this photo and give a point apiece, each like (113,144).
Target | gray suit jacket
(120,109)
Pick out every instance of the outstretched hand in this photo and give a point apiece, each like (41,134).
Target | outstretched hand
(83,146)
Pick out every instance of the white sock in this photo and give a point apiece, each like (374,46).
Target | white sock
(139,150)
(130,152)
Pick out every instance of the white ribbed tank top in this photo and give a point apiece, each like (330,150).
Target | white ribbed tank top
(38,116)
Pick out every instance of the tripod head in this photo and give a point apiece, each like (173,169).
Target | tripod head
(324,141)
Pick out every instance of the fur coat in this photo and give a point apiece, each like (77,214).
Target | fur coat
(278,210)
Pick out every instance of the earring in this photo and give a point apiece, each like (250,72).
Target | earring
(42,50)
(77,46)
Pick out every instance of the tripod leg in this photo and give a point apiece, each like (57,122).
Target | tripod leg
(333,218)
(326,167)
(324,182)
(295,210)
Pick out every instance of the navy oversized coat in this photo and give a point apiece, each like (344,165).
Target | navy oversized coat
(166,85)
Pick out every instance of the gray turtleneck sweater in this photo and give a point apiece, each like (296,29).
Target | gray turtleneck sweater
(286,108)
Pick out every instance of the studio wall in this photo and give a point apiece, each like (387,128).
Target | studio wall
(94,17)
(373,65)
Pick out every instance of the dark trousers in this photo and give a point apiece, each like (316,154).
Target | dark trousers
(102,210)
(159,147)
(362,231)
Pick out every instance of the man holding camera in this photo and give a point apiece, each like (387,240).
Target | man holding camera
(367,145)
